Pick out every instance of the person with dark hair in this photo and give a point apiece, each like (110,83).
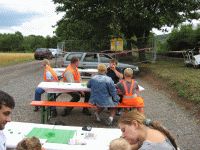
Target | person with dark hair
(49,75)
(7,103)
(113,71)
(145,134)
(116,74)
(72,75)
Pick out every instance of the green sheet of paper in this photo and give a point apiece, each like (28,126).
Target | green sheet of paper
(52,135)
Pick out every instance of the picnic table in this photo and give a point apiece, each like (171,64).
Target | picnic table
(64,87)
(57,137)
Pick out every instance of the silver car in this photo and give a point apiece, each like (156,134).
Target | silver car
(91,60)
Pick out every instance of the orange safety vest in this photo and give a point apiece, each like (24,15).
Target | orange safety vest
(53,73)
(129,98)
(75,72)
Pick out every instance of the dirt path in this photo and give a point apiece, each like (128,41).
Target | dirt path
(21,80)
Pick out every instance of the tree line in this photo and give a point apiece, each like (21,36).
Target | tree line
(183,38)
(98,20)
(18,43)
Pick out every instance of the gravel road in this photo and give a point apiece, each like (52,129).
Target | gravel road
(20,81)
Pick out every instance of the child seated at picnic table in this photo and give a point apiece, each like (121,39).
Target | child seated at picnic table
(129,89)
(32,143)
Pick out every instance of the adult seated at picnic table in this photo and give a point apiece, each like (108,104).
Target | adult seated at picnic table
(49,75)
(103,94)
(116,74)
(113,71)
(72,75)
(129,89)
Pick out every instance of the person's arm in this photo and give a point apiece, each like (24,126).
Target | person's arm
(117,72)
(119,88)
(49,77)
(89,83)
(113,90)
(136,88)
(69,76)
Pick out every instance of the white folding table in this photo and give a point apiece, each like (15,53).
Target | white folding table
(16,131)
(64,87)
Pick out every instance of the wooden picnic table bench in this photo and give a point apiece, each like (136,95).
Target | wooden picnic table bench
(45,105)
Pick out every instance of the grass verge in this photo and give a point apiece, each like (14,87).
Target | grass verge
(185,81)
(14,58)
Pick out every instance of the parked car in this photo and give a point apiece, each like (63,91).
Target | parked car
(41,53)
(55,52)
(91,60)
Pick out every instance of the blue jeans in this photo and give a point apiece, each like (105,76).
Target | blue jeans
(38,94)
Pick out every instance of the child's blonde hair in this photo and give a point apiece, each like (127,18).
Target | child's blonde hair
(32,143)
(102,68)
(119,144)
(128,72)
(45,62)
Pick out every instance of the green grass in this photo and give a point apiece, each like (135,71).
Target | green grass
(185,80)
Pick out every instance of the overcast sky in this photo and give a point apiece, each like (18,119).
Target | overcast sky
(28,16)
(31,17)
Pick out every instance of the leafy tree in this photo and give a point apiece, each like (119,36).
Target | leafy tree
(17,42)
(11,42)
(130,18)
(51,42)
(32,42)
(183,38)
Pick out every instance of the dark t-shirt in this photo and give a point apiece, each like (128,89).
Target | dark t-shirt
(112,74)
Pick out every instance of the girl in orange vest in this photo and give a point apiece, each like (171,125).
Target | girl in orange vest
(130,90)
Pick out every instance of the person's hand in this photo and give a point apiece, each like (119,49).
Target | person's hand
(113,67)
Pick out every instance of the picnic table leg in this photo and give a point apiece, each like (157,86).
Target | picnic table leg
(51,97)
(43,114)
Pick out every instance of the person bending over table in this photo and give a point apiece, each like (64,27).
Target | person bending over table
(49,75)
(145,134)
(7,103)
(129,89)
(103,93)
(72,75)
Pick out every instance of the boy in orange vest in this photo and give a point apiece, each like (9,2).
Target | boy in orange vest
(72,75)
(129,89)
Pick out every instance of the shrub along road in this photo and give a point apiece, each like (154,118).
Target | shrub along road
(20,81)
